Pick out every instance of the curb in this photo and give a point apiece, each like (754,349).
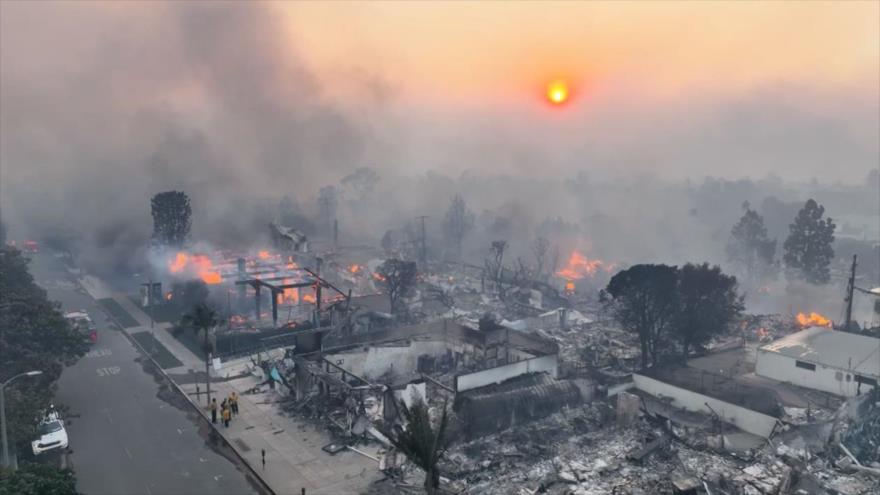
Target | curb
(263,484)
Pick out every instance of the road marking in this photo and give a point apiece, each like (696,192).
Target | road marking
(94,353)
(110,370)
(149,492)
(217,478)
(127,452)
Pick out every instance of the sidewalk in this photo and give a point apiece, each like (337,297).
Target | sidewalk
(294,459)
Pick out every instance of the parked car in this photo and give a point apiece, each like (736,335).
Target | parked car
(31,247)
(83,322)
(52,434)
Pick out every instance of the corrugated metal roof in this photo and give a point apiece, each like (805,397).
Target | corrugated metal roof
(832,348)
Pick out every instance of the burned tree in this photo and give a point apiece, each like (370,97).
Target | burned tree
(398,277)
(421,442)
(750,249)
(172,220)
(808,249)
(459,222)
(540,247)
(362,181)
(494,266)
(643,300)
(708,304)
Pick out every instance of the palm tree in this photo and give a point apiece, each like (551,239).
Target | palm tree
(202,319)
(421,442)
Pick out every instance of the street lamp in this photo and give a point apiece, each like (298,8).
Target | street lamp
(3,410)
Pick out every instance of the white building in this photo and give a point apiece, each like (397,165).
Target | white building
(823,359)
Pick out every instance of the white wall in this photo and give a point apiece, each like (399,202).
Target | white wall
(744,419)
(375,361)
(832,380)
(498,374)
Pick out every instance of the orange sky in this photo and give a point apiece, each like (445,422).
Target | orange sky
(488,50)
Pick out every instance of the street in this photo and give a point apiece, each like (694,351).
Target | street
(130,433)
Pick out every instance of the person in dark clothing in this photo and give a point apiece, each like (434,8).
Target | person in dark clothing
(214,411)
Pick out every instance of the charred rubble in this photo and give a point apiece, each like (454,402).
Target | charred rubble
(543,390)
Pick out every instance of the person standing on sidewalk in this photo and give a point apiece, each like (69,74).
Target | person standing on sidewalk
(226,416)
(214,411)
(233,400)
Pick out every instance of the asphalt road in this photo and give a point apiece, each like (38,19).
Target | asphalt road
(129,432)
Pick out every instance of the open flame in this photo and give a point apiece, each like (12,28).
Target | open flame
(263,255)
(812,320)
(579,266)
(291,294)
(355,269)
(197,264)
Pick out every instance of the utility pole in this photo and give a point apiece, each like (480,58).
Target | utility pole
(3,411)
(850,287)
(423,252)
(149,285)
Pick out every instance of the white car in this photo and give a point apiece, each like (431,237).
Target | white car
(52,435)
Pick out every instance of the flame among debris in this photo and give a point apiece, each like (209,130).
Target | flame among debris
(579,266)
(355,269)
(812,320)
(264,255)
(290,295)
(291,265)
(198,264)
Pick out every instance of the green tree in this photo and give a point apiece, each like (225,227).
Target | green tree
(809,246)
(33,336)
(459,222)
(708,304)
(643,300)
(37,479)
(750,249)
(172,218)
(398,277)
(421,442)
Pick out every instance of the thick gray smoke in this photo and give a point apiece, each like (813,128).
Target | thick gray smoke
(104,105)
(103,108)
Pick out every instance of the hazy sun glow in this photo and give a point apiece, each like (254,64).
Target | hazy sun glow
(557,92)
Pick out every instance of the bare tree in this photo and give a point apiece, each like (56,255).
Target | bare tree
(540,247)
(398,277)
(459,221)
(494,266)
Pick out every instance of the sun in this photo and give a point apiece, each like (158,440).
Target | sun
(557,92)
